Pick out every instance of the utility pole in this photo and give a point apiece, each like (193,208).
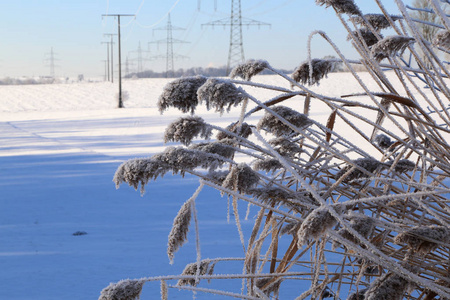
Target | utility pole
(169,46)
(106,69)
(107,58)
(111,35)
(120,105)
(236,50)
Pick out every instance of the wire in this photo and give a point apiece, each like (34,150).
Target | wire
(105,22)
(160,20)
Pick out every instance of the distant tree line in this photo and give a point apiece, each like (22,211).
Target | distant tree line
(208,72)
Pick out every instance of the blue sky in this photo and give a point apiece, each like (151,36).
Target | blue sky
(75,30)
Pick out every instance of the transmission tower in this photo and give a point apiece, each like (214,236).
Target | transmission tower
(140,59)
(50,57)
(169,47)
(236,21)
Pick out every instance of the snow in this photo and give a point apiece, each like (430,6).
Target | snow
(59,148)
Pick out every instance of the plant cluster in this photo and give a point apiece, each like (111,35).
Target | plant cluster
(365,221)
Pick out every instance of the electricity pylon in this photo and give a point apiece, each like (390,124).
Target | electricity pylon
(51,59)
(169,46)
(236,21)
(140,59)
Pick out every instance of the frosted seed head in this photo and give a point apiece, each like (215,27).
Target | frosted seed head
(139,171)
(285,146)
(268,165)
(362,224)
(180,229)
(124,289)
(390,286)
(442,39)
(181,93)
(249,69)
(191,269)
(320,69)
(272,124)
(366,35)
(220,94)
(184,130)
(244,131)
(223,147)
(217,176)
(390,46)
(378,21)
(359,295)
(383,141)
(316,224)
(402,166)
(424,239)
(273,195)
(341,6)
(241,178)
(369,164)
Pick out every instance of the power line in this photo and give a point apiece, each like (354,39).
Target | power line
(235,22)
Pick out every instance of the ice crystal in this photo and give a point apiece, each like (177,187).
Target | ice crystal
(220,94)
(249,69)
(268,165)
(442,39)
(316,224)
(378,21)
(179,231)
(390,286)
(184,130)
(181,93)
(191,269)
(124,289)
(244,131)
(390,46)
(366,35)
(369,164)
(341,6)
(320,69)
(383,141)
(241,177)
(272,124)
(424,239)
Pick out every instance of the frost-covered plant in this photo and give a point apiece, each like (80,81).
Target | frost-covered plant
(220,94)
(390,46)
(345,190)
(424,239)
(184,130)
(320,69)
(377,21)
(182,94)
(124,289)
(341,6)
(249,69)
(273,124)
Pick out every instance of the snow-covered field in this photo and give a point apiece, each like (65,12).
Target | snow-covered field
(59,148)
